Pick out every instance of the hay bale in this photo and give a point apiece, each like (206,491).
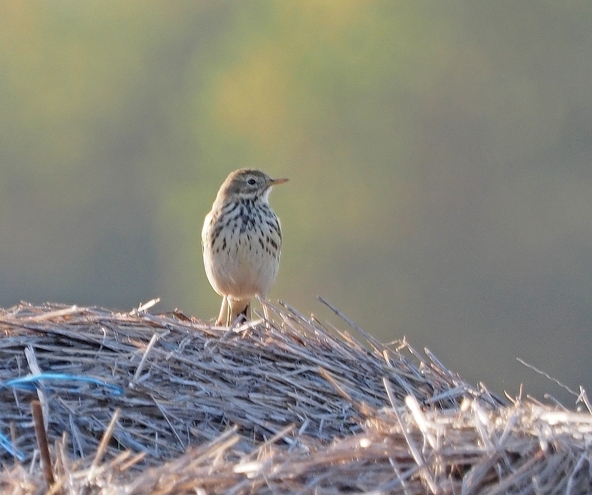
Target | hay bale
(145,403)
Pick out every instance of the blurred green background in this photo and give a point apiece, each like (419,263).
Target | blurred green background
(440,157)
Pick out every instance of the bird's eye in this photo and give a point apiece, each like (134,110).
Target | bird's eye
(251,182)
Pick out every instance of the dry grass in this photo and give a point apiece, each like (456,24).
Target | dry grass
(180,406)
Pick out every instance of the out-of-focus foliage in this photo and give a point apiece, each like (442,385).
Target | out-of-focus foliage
(440,157)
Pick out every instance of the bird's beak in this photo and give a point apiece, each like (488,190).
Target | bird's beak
(275,182)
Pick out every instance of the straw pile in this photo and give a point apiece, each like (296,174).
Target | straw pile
(141,403)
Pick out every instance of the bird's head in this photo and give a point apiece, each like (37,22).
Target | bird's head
(247,183)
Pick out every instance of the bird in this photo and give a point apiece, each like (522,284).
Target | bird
(241,242)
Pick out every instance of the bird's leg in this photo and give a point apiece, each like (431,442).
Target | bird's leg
(262,300)
(246,313)
(224,315)
(239,311)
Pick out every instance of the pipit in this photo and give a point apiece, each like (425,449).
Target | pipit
(241,241)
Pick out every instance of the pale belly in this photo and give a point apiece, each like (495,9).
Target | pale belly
(243,267)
